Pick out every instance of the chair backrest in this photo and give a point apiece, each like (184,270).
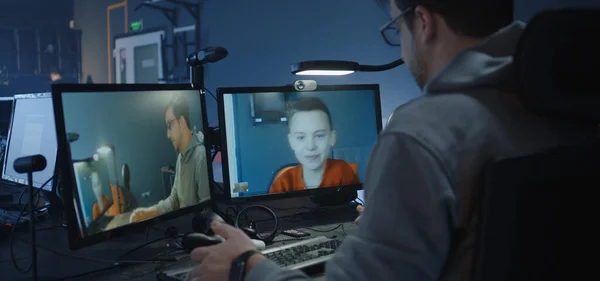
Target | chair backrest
(531,202)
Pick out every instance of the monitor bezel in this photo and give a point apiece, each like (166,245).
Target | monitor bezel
(38,95)
(285,89)
(77,239)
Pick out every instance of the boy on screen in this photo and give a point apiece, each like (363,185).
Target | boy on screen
(191,185)
(311,137)
(101,200)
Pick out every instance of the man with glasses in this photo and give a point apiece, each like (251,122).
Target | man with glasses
(425,171)
(191,184)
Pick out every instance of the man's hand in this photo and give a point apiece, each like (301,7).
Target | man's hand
(360,209)
(142,214)
(215,261)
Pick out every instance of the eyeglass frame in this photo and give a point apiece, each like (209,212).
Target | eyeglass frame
(391,24)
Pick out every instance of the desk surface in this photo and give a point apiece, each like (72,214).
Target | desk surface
(57,262)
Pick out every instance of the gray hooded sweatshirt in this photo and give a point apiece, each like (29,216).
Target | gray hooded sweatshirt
(427,166)
(191,184)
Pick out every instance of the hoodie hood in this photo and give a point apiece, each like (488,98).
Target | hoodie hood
(488,64)
(197,140)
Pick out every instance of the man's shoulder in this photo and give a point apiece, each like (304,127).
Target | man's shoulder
(432,112)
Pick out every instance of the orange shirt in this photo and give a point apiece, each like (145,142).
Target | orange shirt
(337,173)
(114,209)
(96,212)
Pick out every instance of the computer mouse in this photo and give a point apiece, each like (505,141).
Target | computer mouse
(194,240)
(201,222)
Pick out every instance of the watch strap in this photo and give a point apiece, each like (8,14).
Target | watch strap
(238,266)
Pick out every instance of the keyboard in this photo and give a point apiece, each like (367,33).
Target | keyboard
(299,255)
(9,218)
(304,253)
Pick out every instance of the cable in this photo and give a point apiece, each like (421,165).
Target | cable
(250,231)
(14,227)
(113,262)
(325,231)
(215,97)
(153,259)
(144,245)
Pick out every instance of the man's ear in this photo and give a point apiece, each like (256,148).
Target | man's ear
(425,25)
(333,138)
(182,121)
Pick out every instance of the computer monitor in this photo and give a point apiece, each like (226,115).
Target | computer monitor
(279,142)
(134,154)
(32,131)
(6,105)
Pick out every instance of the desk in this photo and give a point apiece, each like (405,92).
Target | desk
(56,261)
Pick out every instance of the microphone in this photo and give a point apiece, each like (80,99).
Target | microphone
(71,137)
(206,55)
(30,164)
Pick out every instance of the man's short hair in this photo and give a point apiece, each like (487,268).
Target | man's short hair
(180,106)
(309,104)
(473,18)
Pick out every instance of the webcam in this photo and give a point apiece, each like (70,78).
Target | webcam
(305,85)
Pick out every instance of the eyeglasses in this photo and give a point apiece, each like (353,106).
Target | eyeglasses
(169,123)
(390,33)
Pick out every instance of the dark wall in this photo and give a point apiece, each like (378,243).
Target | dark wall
(54,14)
(264,38)
(24,24)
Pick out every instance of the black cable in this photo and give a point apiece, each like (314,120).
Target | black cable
(265,238)
(215,97)
(37,192)
(142,246)
(325,231)
(153,259)
(113,262)
(14,227)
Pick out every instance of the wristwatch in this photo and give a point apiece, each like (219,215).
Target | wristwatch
(238,266)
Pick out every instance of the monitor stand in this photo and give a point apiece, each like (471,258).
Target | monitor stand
(334,197)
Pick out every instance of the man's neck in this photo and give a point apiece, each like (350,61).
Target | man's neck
(444,53)
(186,141)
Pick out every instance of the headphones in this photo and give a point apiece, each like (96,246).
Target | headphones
(250,230)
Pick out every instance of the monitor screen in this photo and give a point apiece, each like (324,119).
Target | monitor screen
(320,139)
(32,131)
(6,105)
(135,153)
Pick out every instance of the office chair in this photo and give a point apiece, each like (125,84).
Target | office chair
(535,213)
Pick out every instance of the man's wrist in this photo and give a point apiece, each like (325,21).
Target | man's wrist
(252,261)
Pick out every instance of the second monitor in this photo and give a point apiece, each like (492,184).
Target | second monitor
(133,154)
(280,142)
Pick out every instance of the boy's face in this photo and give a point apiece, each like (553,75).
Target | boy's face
(311,138)
(96,185)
